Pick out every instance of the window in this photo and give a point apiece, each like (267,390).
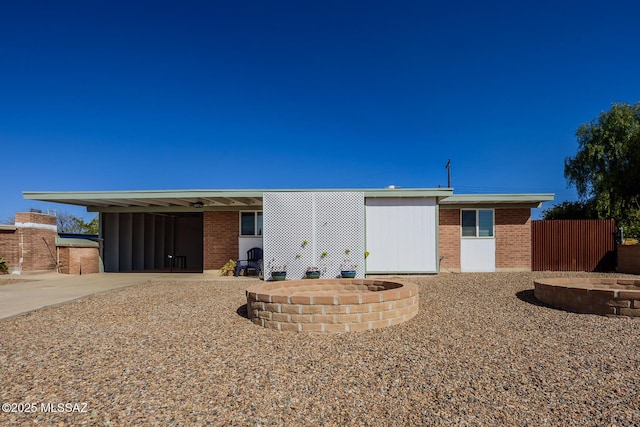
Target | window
(251,223)
(477,223)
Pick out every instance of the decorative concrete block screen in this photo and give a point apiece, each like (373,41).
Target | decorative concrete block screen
(313,229)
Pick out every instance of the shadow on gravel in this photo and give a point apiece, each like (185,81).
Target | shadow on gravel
(528,296)
(242,311)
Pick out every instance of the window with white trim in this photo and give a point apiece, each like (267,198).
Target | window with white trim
(477,222)
(251,223)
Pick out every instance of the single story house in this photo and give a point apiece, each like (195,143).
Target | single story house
(376,231)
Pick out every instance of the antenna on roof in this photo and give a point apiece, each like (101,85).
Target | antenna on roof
(448,166)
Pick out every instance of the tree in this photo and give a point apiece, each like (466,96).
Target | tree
(68,223)
(92,227)
(571,210)
(606,168)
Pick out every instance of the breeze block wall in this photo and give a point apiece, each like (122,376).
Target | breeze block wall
(220,238)
(36,241)
(449,239)
(513,239)
(329,223)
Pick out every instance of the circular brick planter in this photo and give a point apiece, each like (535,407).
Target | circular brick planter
(611,297)
(334,305)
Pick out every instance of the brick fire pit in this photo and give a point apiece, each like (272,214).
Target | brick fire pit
(611,297)
(331,305)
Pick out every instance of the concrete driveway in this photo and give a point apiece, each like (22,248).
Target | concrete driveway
(35,291)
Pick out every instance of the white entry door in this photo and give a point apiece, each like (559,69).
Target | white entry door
(478,241)
(477,255)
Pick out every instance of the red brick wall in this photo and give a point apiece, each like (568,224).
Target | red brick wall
(9,248)
(513,238)
(449,239)
(35,217)
(38,244)
(63,260)
(78,260)
(220,238)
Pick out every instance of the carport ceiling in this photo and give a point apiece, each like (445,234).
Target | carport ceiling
(185,200)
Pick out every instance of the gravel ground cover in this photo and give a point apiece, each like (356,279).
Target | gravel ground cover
(481,351)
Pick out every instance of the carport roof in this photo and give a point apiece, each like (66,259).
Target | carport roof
(197,200)
(194,200)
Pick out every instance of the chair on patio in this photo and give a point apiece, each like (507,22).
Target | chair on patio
(253,261)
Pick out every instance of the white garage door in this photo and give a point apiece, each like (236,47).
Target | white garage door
(401,235)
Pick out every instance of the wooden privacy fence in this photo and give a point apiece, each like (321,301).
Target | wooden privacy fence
(573,245)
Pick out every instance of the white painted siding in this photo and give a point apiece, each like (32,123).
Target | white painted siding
(477,255)
(401,235)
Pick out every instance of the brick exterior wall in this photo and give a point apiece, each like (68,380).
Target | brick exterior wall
(513,239)
(78,260)
(38,244)
(449,239)
(9,248)
(220,236)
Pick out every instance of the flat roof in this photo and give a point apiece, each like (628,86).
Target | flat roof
(197,200)
(192,200)
(478,200)
(76,243)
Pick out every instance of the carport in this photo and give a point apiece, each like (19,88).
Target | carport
(166,231)
(152,242)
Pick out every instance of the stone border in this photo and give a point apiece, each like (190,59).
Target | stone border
(609,297)
(310,306)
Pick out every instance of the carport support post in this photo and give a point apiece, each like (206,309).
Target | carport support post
(101,243)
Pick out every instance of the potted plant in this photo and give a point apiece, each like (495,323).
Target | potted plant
(278,271)
(229,268)
(279,275)
(347,269)
(313,273)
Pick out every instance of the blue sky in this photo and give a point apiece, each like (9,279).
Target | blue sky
(335,94)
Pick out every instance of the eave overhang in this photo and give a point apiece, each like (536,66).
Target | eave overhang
(479,201)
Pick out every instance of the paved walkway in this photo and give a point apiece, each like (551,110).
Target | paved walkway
(40,290)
